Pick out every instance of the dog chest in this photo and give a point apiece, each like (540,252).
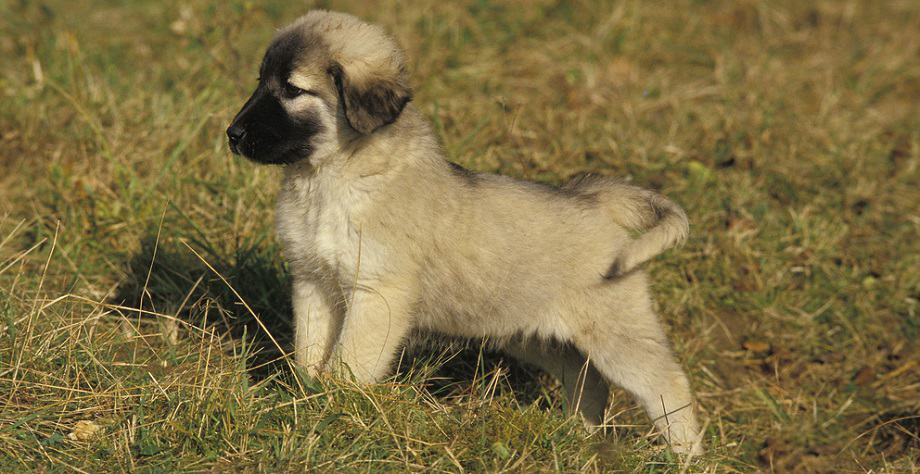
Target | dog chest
(318,230)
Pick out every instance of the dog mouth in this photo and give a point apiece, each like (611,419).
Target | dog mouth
(240,148)
(278,155)
(245,144)
(275,139)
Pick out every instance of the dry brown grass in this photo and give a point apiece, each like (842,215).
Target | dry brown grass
(788,130)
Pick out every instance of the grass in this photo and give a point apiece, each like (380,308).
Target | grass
(130,238)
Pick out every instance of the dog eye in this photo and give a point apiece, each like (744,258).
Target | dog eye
(291,91)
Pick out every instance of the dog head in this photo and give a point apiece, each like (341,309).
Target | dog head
(325,80)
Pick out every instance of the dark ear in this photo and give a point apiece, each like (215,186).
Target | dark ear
(370,103)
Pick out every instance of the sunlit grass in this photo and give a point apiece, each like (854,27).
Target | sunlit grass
(130,238)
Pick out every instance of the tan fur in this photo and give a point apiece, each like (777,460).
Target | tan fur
(385,238)
(663,223)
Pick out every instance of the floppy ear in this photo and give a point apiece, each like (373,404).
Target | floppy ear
(370,102)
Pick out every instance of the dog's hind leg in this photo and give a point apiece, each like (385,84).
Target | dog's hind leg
(629,349)
(585,389)
(646,369)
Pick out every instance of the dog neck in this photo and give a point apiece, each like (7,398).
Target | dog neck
(386,152)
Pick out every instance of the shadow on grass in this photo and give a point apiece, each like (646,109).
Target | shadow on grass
(461,368)
(167,278)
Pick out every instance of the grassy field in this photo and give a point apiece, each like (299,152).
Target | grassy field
(139,272)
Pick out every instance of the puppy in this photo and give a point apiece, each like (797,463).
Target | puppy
(384,237)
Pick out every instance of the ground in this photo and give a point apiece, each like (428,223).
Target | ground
(144,303)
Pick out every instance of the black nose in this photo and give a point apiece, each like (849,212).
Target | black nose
(235,133)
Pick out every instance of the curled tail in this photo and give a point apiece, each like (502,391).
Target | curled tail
(661,223)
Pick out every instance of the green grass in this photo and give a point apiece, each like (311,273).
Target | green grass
(130,237)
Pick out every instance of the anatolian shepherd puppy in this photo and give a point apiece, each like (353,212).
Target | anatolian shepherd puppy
(385,237)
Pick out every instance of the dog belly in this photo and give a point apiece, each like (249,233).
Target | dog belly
(487,314)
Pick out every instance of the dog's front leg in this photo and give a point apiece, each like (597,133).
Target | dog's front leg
(375,326)
(317,323)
